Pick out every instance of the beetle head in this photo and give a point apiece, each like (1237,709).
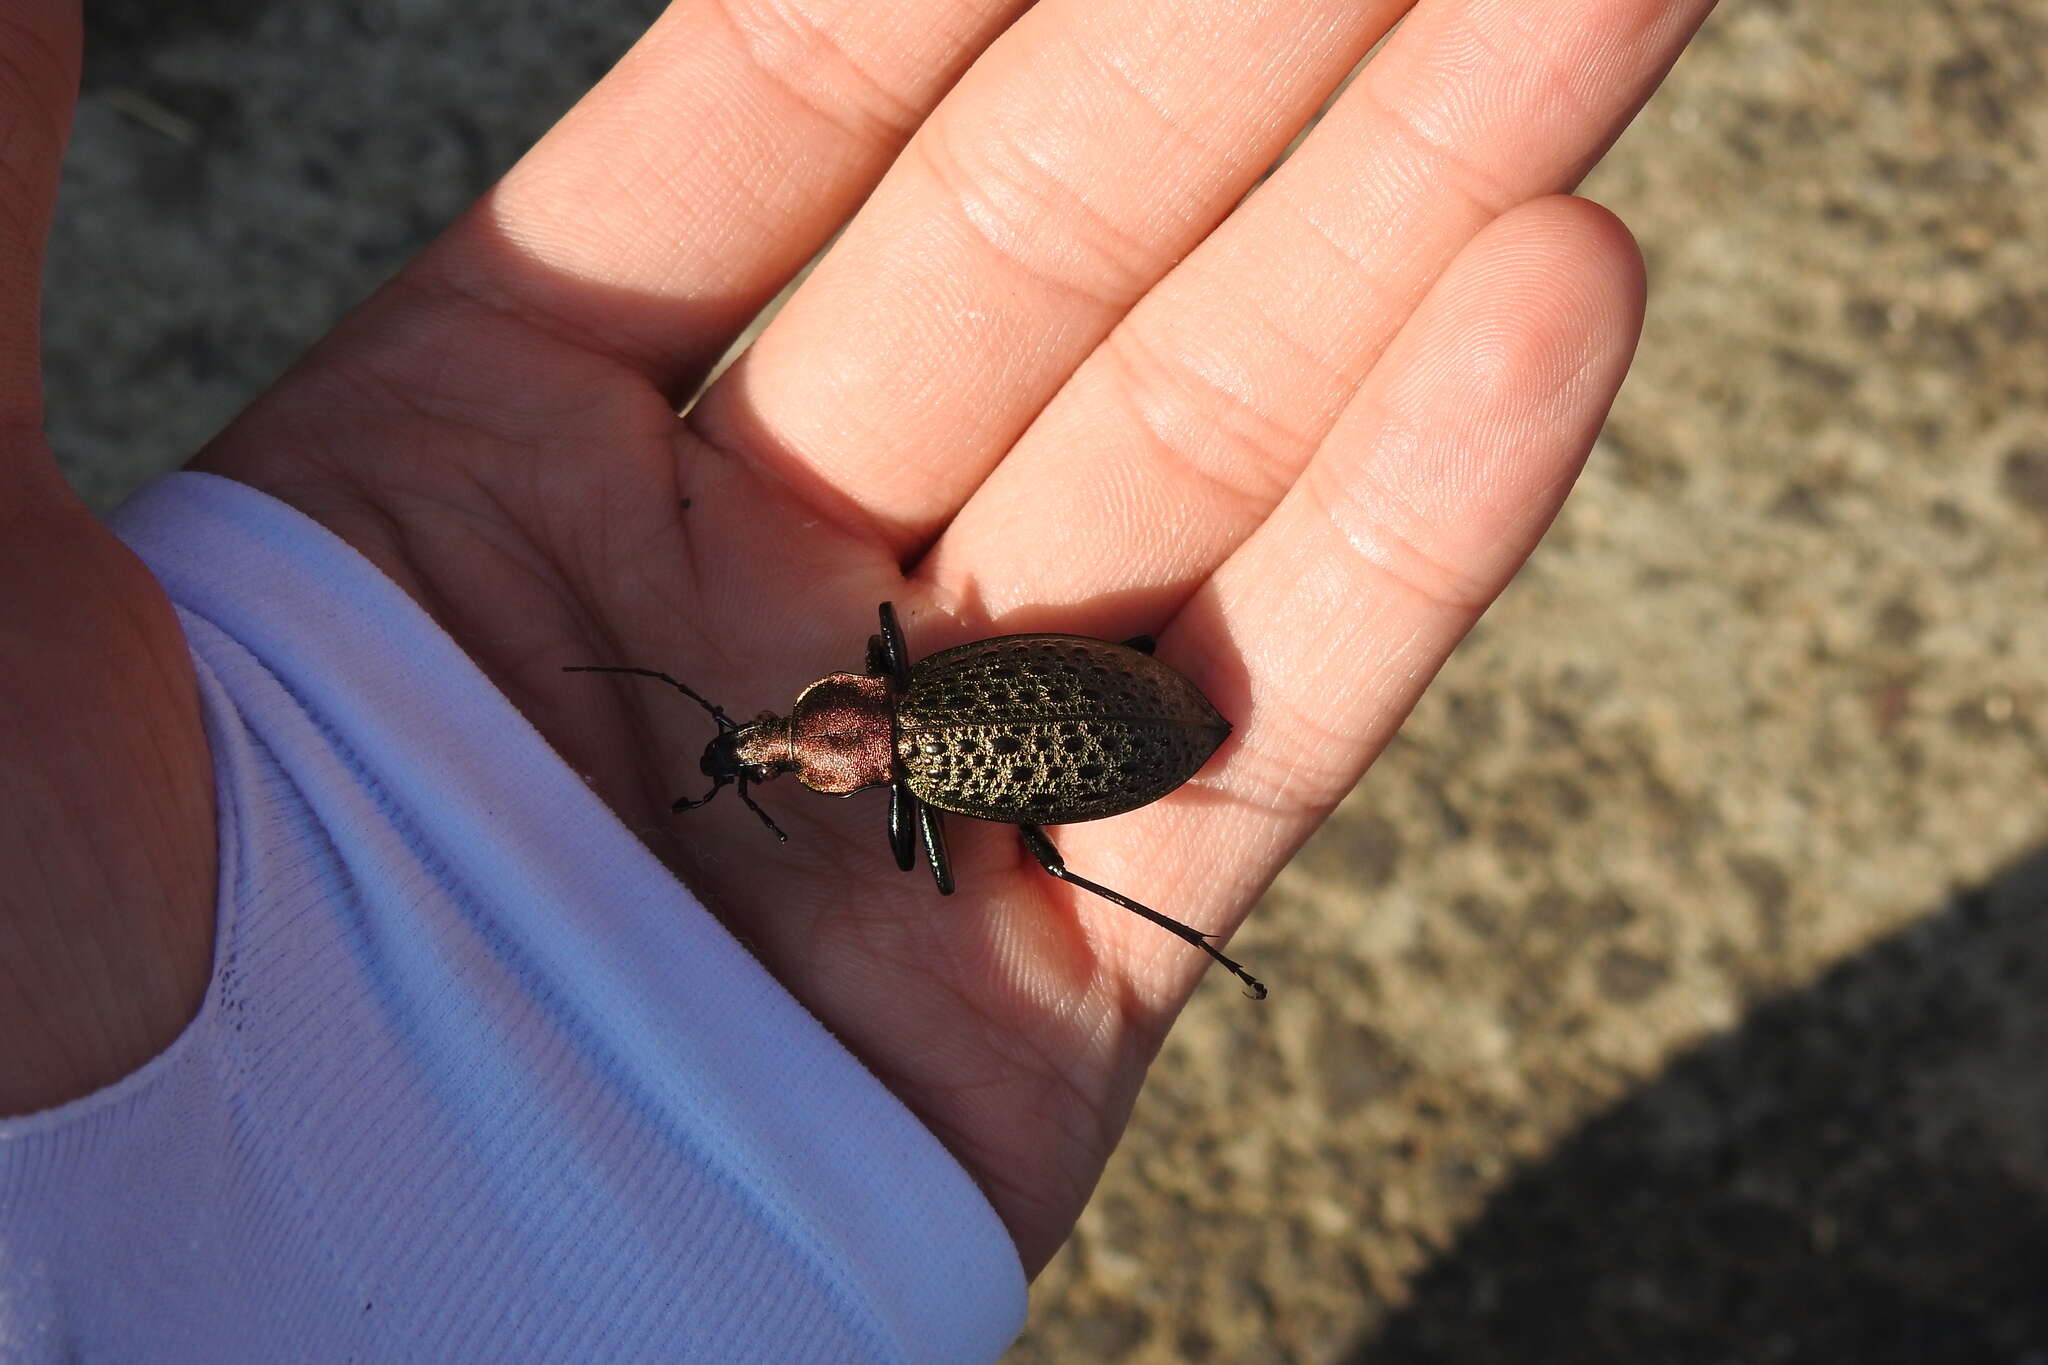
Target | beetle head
(739,755)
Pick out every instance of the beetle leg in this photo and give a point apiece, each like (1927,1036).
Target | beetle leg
(755,807)
(929,825)
(1144,644)
(683,803)
(1049,859)
(902,814)
(887,650)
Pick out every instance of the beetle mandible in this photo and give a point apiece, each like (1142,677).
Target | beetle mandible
(1028,730)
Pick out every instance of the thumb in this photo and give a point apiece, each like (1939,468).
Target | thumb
(39,42)
(107,855)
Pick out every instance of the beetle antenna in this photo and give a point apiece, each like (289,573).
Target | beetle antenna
(725,722)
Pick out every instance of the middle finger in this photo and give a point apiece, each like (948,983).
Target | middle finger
(1088,150)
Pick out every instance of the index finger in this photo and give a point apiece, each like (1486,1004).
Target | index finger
(678,196)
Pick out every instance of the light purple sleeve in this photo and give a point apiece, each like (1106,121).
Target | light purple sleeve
(475,1077)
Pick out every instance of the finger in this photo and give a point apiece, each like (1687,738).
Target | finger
(106,805)
(1093,146)
(1180,434)
(677,197)
(1319,633)
(38,84)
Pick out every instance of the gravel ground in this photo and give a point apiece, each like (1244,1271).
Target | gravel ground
(1673,990)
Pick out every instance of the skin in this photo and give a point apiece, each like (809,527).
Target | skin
(1055,376)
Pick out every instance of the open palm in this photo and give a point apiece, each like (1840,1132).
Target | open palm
(1060,373)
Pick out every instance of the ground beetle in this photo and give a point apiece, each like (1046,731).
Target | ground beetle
(1029,730)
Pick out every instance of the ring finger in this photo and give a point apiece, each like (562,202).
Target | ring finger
(1195,416)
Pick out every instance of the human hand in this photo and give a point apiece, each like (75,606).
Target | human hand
(1053,377)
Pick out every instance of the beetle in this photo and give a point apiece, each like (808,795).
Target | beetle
(1028,730)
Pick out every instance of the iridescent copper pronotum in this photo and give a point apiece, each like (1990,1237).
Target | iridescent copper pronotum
(1029,730)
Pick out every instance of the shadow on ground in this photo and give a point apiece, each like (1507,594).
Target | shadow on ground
(1859,1173)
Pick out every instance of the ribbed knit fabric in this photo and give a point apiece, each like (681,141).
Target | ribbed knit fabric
(475,1078)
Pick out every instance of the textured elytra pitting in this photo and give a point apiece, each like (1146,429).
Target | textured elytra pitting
(1050,729)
